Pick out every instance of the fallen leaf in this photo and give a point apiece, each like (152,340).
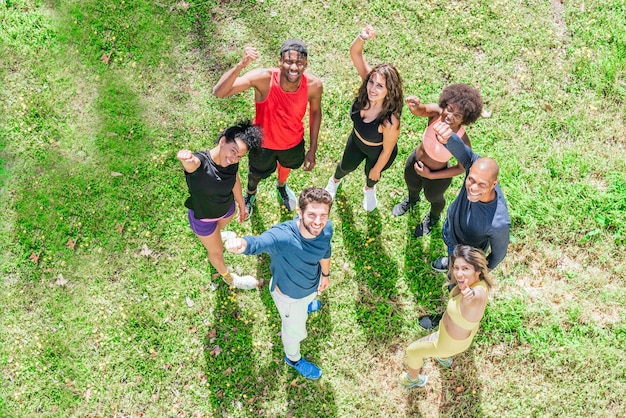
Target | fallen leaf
(34,257)
(548,107)
(60,280)
(119,228)
(294,382)
(116,174)
(219,394)
(216,350)
(105,58)
(189,302)
(228,371)
(251,400)
(145,251)
(459,389)
(213,333)
(71,244)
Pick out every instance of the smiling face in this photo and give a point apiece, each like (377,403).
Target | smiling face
(464,273)
(482,180)
(313,219)
(376,87)
(231,152)
(292,65)
(453,116)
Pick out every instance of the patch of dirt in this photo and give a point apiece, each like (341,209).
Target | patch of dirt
(558,19)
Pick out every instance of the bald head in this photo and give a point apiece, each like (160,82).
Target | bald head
(482,180)
(489,166)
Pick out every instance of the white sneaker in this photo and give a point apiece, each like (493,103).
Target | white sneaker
(226,235)
(332,186)
(369,199)
(244,282)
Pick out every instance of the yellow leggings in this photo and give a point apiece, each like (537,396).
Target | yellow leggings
(438,344)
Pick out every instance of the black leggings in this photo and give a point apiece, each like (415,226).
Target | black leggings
(433,189)
(354,154)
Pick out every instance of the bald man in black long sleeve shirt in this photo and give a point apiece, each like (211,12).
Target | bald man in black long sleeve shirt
(478,216)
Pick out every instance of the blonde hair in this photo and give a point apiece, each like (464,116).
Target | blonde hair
(473,256)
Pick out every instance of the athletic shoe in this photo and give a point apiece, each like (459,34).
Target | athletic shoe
(369,199)
(409,383)
(249,201)
(440,265)
(244,282)
(425,227)
(287,197)
(445,362)
(430,321)
(305,368)
(332,186)
(402,207)
(314,306)
(226,235)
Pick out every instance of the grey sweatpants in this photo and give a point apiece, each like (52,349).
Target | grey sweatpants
(293,315)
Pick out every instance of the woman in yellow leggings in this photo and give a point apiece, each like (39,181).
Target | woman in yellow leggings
(461,320)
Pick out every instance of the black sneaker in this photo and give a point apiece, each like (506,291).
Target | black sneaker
(249,201)
(425,227)
(440,265)
(430,321)
(402,207)
(287,197)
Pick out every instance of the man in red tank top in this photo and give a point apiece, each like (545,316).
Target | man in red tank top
(281,96)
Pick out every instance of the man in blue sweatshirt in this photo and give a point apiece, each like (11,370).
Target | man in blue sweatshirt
(300,253)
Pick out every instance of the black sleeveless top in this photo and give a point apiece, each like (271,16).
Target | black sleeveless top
(366,131)
(210,187)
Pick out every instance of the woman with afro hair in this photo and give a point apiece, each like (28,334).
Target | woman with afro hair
(427,168)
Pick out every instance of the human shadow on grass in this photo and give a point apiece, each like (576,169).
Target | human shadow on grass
(377,308)
(424,282)
(232,370)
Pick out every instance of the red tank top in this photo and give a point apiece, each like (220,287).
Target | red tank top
(280,114)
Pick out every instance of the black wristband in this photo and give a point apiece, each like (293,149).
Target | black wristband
(326,275)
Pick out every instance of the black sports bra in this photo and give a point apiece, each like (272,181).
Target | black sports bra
(366,131)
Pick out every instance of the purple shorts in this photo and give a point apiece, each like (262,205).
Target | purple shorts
(205,227)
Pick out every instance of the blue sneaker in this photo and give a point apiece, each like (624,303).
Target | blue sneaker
(305,368)
(314,306)
(445,362)
(409,383)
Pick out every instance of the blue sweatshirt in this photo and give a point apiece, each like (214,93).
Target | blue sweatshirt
(481,225)
(295,260)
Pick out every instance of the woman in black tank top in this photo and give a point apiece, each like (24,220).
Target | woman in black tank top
(375,114)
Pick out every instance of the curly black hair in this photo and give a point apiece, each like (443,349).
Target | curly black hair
(251,135)
(466,98)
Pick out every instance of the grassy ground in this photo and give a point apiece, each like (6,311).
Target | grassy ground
(108,308)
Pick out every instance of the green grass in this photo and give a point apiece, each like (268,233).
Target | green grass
(108,305)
